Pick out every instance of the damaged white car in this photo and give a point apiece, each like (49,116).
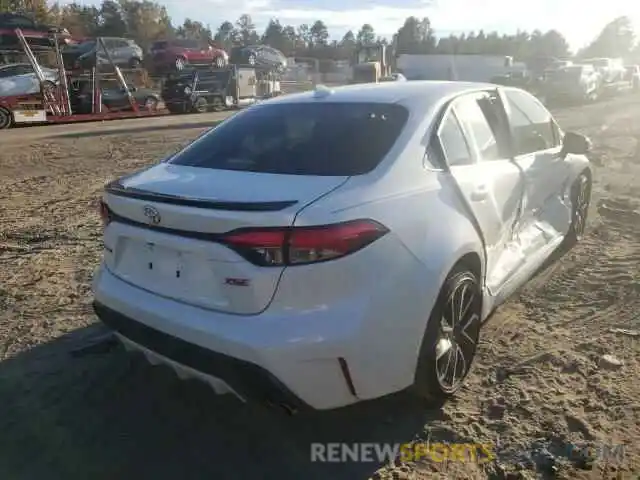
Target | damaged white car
(340,245)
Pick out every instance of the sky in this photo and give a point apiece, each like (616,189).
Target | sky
(578,20)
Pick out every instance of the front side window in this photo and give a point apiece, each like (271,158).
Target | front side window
(325,139)
(531,123)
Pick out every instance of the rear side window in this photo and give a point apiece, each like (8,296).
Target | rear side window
(325,139)
(453,142)
(473,118)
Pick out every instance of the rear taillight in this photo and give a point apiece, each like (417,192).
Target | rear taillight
(105,213)
(303,245)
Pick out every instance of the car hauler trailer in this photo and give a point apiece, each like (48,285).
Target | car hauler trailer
(202,88)
(52,104)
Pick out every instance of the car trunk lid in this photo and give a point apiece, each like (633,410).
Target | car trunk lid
(167,226)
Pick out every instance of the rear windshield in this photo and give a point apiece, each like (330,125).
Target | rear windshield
(327,139)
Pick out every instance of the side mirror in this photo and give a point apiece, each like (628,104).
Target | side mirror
(576,144)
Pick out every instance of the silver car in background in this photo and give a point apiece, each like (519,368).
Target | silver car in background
(20,79)
(573,82)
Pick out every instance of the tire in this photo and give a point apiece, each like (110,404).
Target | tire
(580,201)
(150,103)
(135,63)
(219,62)
(180,63)
(252,59)
(218,105)
(6,119)
(450,332)
(200,105)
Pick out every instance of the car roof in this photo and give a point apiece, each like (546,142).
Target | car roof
(412,94)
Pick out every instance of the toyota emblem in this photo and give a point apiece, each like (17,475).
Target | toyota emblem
(152,214)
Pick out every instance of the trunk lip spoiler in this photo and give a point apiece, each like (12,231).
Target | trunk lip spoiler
(116,188)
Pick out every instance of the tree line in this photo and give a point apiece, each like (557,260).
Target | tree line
(147,21)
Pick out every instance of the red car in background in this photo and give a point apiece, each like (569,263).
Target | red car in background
(177,54)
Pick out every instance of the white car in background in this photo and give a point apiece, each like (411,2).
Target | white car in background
(20,79)
(340,245)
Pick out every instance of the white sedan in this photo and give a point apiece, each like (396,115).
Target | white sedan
(334,246)
(20,79)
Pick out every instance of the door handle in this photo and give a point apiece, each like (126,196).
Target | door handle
(480,193)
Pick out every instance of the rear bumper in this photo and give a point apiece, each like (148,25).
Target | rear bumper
(247,380)
(300,352)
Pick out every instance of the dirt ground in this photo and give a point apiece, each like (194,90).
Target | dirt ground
(540,383)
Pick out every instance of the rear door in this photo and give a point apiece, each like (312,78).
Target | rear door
(537,144)
(474,140)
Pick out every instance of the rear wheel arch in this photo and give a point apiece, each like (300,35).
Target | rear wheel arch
(467,266)
(473,262)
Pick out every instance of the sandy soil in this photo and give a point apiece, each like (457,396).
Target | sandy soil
(540,382)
